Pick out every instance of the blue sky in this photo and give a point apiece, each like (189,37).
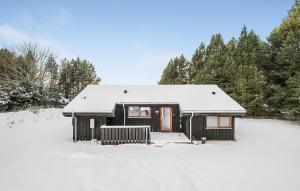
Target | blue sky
(130,42)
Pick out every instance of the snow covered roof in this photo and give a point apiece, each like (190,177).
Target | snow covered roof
(191,98)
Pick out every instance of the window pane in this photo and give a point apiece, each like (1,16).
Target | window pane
(133,111)
(145,112)
(211,121)
(224,121)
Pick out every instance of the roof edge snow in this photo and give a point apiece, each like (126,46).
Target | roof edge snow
(191,98)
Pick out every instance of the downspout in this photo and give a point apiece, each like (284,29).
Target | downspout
(124,116)
(191,126)
(180,118)
(75,126)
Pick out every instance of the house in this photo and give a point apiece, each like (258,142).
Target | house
(196,110)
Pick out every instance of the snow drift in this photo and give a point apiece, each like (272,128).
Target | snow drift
(37,153)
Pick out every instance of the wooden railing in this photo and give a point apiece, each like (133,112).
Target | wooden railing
(114,135)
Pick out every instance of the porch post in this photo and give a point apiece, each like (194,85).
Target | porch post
(124,115)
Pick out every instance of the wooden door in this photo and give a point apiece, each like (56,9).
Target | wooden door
(166,119)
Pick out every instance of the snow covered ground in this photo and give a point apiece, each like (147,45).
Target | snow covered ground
(37,153)
(165,138)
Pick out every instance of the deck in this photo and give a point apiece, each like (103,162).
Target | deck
(114,135)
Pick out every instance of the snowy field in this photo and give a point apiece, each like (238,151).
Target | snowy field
(37,153)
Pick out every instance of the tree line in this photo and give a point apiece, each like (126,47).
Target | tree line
(264,76)
(30,75)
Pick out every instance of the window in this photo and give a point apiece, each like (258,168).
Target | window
(224,121)
(92,123)
(133,111)
(145,112)
(140,112)
(214,122)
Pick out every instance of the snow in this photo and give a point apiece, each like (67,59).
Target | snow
(37,153)
(191,98)
(164,138)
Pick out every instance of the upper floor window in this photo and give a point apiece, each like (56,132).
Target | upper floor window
(137,111)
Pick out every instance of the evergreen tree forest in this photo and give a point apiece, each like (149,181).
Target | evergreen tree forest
(30,76)
(263,76)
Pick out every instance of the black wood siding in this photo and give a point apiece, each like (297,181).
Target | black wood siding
(221,134)
(154,121)
(199,129)
(178,125)
(84,132)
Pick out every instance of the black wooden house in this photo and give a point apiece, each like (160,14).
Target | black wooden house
(116,113)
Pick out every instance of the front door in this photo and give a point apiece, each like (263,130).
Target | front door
(166,119)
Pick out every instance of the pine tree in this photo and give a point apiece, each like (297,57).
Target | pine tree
(283,53)
(75,75)
(8,69)
(249,84)
(289,59)
(53,91)
(211,73)
(176,72)
(292,106)
(64,80)
(291,23)
(197,62)
(230,67)
(249,57)
(262,76)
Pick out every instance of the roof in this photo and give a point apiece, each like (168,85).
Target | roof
(191,98)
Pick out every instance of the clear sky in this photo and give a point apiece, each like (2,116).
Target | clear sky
(130,42)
